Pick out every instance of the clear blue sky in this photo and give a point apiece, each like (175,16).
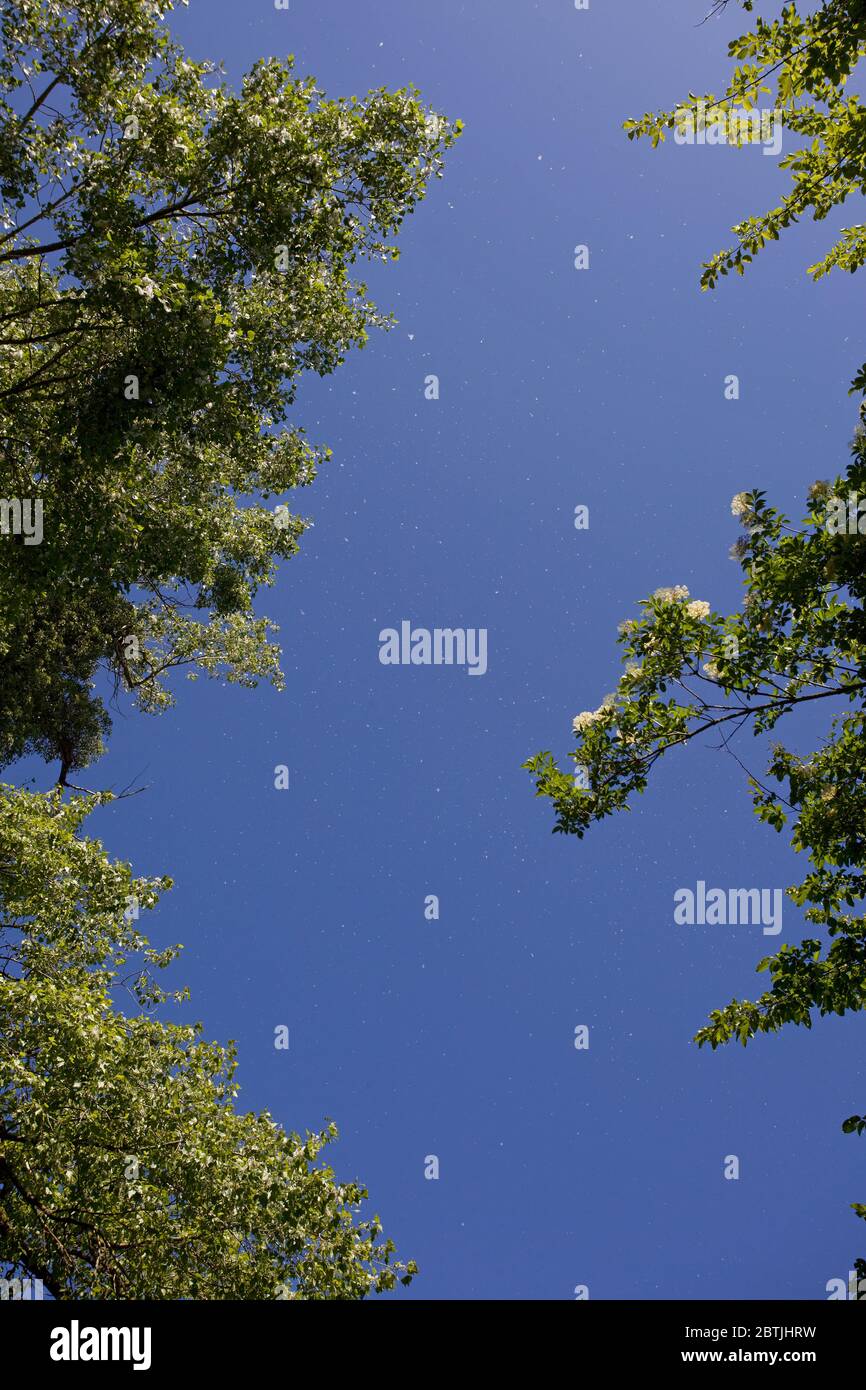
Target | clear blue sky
(306,908)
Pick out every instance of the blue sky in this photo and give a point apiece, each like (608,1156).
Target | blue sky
(305,907)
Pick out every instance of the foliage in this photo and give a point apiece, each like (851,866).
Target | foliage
(800,638)
(689,671)
(802,63)
(125,1170)
(174,255)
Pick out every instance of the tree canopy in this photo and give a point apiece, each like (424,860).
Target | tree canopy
(800,637)
(174,256)
(802,63)
(126,1171)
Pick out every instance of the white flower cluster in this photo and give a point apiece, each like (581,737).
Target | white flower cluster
(740,506)
(591,716)
(698,608)
(673,595)
(583,721)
